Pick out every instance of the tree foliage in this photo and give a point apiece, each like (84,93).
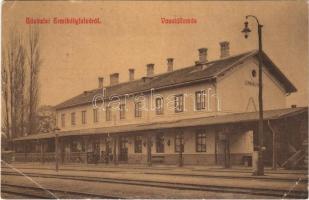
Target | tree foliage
(20,70)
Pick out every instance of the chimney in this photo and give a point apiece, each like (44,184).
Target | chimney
(114,78)
(225,49)
(170,64)
(131,74)
(100,79)
(202,55)
(150,70)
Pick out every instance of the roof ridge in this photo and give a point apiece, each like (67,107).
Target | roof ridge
(248,54)
(233,56)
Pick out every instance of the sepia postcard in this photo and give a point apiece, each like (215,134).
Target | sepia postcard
(154,99)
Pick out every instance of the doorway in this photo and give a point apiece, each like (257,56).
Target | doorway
(222,149)
(123,149)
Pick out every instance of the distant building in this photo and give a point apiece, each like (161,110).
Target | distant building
(204,114)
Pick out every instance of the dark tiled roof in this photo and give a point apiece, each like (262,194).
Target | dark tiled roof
(192,122)
(186,75)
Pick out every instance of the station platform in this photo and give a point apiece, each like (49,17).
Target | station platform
(212,175)
(111,166)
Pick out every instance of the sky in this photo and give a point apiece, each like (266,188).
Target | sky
(131,35)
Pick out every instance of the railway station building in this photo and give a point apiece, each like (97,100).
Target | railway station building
(204,114)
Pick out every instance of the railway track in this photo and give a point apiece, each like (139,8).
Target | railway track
(264,178)
(39,193)
(178,186)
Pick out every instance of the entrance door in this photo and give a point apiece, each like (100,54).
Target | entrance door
(96,146)
(222,150)
(96,150)
(123,149)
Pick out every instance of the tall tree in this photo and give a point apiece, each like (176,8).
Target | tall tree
(5,95)
(19,88)
(20,70)
(13,67)
(34,66)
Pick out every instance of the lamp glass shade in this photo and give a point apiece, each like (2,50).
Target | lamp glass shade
(246,30)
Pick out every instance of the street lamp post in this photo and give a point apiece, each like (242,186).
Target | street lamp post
(56,152)
(260,164)
(56,148)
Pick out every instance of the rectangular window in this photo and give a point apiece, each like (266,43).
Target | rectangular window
(138,109)
(201,141)
(160,143)
(159,106)
(62,120)
(122,109)
(95,115)
(108,113)
(200,100)
(179,103)
(179,142)
(84,120)
(138,144)
(73,122)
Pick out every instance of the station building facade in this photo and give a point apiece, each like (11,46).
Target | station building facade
(204,114)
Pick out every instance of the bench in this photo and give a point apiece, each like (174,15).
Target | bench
(157,159)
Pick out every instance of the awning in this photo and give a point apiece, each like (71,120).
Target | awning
(192,122)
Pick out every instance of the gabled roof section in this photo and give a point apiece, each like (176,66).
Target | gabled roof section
(273,69)
(192,74)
